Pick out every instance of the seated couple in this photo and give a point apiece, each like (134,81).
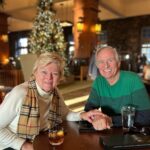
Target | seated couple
(37,105)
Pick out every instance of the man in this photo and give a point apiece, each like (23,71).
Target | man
(115,88)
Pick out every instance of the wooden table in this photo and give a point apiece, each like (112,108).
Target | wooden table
(75,140)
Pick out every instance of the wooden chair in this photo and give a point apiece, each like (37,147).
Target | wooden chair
(27,61)
(83,73)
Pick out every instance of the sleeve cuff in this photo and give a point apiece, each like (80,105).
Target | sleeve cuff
(73,116)
(18,143)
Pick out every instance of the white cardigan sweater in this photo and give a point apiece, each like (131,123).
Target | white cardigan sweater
(10,110)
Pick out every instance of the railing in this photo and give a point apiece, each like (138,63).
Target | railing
(10,78)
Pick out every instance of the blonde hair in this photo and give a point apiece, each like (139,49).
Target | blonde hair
(48,58)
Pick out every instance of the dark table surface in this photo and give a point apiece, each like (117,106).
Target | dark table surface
(74,140)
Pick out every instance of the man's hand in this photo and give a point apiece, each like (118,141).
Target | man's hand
(90,115)
(102,122)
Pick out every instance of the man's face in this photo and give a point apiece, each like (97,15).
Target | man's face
(47,77)
(107,64)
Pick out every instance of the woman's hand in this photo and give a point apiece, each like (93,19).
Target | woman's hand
(90,115)
(27,146)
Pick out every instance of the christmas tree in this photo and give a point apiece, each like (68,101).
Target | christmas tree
(47,34)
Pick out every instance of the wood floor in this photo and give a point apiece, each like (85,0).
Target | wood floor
(76,94)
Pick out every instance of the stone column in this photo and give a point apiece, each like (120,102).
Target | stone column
(4,46)
(85,40)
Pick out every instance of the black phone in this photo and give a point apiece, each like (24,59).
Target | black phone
(85,126)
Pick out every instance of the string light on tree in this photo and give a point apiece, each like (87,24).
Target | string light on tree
(47,33)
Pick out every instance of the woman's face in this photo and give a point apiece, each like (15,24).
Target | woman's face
(47,77)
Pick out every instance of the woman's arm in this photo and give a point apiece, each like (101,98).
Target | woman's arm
(9,113)
(76,116)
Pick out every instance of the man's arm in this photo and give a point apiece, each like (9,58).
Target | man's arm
(141,101)
(93,101)
(90,106)
(142,118)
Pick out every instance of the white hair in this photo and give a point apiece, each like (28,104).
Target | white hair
(100,48)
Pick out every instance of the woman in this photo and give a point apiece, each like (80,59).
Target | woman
(36,105)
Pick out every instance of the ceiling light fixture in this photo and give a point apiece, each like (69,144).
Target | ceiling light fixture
(65,12)
(65,23)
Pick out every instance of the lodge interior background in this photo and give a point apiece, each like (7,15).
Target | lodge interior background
(125,26)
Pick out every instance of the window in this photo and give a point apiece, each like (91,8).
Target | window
(146,51)
(21,47)
(102,38)
(145,46)
(71,49)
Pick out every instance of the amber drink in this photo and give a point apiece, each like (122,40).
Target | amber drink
(56,136)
